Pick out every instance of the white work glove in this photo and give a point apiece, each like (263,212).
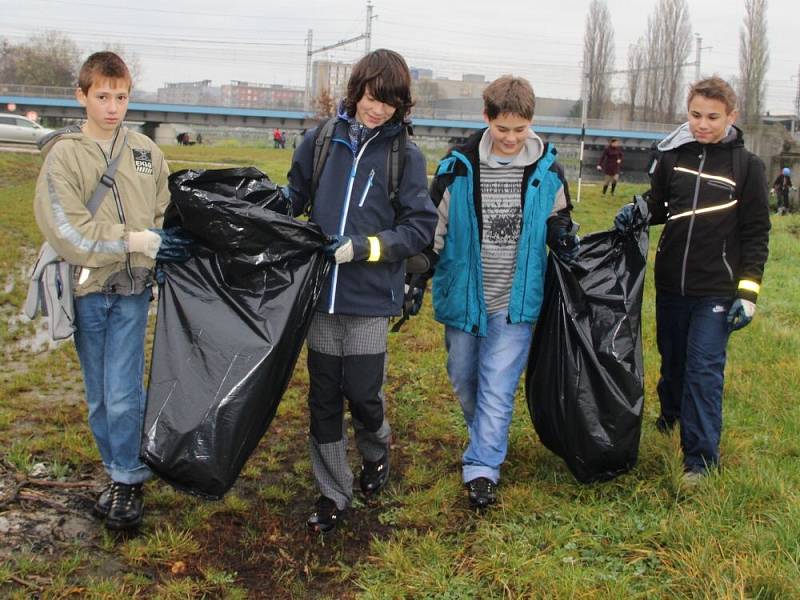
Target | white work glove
(144,242)
(340,249)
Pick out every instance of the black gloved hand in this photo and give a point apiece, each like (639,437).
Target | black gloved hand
(623,222)
(567,246)
(417,295)
(176,245)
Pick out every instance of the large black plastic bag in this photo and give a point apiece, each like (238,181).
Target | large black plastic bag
(231,323)
(585,377)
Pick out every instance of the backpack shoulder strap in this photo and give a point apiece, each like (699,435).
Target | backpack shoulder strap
(106,181)
(395,163)
(741,165)
(322,146)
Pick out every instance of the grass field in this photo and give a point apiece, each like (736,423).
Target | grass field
(735,535)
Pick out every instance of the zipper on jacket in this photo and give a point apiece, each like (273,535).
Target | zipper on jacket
(343,219)
(366,189)
(691,221)
(725,258)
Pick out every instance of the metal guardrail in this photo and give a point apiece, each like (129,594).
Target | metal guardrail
(13,89)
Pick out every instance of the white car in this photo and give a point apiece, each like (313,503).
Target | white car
(16,128)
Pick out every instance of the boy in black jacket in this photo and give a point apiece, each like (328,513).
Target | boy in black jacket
(711,194)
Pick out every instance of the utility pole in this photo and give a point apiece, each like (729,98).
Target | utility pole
(307,93)
(796,103)
(367,36)
(584,113)
(698,52)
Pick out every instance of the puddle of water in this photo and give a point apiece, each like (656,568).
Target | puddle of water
(37,342)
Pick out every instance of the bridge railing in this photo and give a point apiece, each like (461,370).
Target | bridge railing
(13,89)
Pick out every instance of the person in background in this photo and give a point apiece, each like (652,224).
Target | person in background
(782,185)
(373,231)
(611,165)
(501,198)
(711,195)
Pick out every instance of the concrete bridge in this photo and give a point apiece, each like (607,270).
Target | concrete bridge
(636,138)
(151,114)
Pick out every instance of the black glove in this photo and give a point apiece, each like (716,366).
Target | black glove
(567,245)
(415,301)
(176,245)
(623,222)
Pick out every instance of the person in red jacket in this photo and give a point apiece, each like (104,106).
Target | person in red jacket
(611,164)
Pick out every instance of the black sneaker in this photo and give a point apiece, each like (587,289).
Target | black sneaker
(374,475)
(481,492)
(127,506)
(325,516)
(103,503)
(665,425)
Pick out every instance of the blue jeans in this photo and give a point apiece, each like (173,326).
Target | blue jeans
(692,337)
(110,344)
(485,373)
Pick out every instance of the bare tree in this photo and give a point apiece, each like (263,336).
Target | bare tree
(50,58)
(324,105)
(753,59)
(637,57)
(668,43)
(598,57)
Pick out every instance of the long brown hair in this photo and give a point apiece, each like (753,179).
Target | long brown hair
(386,74)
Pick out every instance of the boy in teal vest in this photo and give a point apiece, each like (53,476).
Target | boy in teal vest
(501,200)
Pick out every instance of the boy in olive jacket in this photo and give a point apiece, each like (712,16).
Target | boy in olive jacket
(113,253)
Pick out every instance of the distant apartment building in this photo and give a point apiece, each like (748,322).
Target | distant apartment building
(189,92)
(245,94)
(463,98)
(418,73)
(330,75)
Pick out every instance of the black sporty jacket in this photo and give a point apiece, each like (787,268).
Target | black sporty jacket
(716,236)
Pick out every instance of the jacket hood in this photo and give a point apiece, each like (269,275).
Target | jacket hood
(73,132)
(47,142)
(531,151)
(479,143)
(683,135)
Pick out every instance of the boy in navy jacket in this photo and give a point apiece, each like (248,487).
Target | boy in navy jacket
(373,232)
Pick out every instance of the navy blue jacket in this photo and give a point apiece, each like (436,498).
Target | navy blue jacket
(353,200)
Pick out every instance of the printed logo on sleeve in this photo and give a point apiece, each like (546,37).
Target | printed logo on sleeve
(144,161)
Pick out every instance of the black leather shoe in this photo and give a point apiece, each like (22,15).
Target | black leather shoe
(482,492)
(325,516)
(127,506)
(665,425)
(103,503)
(374,475)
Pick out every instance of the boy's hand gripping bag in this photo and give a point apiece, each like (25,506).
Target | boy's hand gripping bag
(585,378)
(231,323)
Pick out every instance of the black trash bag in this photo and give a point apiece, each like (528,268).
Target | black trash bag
(231,323)
(585,379)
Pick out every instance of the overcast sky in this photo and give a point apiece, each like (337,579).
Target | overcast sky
(264,41)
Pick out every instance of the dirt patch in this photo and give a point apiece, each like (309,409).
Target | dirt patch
(44,516)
